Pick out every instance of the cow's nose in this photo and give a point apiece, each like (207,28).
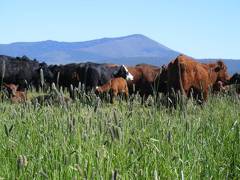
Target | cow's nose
(129,77)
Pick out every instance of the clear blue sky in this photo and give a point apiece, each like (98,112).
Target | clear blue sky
(199,28)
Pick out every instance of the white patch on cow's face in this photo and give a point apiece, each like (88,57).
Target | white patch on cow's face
(97,87)
(129,75)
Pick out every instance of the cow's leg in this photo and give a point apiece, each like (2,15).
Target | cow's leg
(126,95)
(144,96)
(71,93)
(113,95)
(205,95)
(201,96)
(173,97)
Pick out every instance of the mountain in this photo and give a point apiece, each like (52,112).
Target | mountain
(130,50)
(121,49)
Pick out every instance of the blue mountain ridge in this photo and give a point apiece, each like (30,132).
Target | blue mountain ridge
(104,49)
(130,50)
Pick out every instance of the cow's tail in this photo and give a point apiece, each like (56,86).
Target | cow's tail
(175,84)
(180,78)
(181,94)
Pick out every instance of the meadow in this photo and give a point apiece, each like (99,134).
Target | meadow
(93,139)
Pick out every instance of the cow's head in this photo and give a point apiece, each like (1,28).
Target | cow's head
(48,74)
(11,88)
(123,72)
(221,71)
(98,90)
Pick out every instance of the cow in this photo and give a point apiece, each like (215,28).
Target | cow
(115,87)
(15,95)
(66,75)
(22,71)
(145,79)
(93,74)
(235,79)
(235,82)
(192,78)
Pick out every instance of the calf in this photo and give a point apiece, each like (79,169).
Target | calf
(115,86)
(15,95)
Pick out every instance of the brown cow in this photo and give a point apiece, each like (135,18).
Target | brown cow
(115,86)
(144,78)
(15,95)
(191,77)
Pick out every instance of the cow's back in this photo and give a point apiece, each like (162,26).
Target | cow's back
(119,84)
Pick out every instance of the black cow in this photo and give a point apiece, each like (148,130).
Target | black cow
(22,71)
(65,75)
(235,79)
(161,80)
(93,74)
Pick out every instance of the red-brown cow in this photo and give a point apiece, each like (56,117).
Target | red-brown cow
(191,77)
(144,79)
(115,86)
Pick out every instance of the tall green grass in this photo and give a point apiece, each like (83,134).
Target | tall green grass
(126,140)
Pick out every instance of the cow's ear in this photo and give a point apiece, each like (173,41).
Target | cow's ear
(221,64)
(43,65)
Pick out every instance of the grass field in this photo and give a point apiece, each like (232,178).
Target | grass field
(89,139)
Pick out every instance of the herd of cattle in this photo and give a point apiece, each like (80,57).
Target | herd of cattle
(184,74)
